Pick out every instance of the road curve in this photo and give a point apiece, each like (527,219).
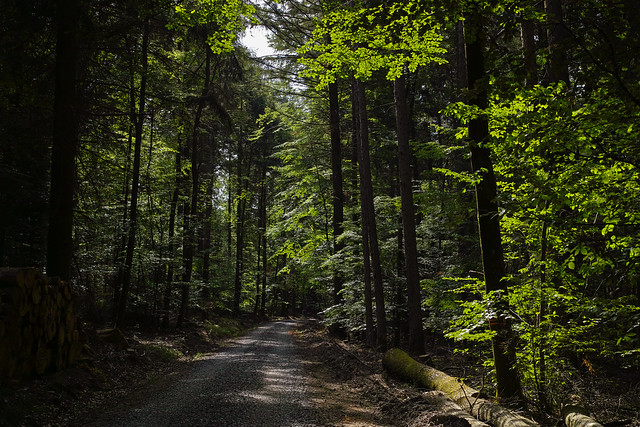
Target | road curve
(257,381)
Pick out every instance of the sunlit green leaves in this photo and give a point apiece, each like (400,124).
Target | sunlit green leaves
(226,17)
(362,40)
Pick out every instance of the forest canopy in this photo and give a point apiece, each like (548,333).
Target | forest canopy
(409,171)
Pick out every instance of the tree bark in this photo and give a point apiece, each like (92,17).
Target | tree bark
(205,246)
(557,36)
(262,236)
(527,39)
(508,382)
(414,300)
(399,363)
(65,142)
(368,213)
(240,218)
(166,304)
(135,180)
(366,265)
(193,208)
(336,180)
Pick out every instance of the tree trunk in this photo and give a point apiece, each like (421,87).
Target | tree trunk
(193,208)
(166,304)
(508,382)
(135,180)
(527,38)
(65,142)
(368,300)
(206,228)
(263,294)
(240,218)
(187,259)
(336,179)
(557,36)
(414,300)
(262,228)
(368,213)
(399,363)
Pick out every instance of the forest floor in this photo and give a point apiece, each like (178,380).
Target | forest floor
(346,379)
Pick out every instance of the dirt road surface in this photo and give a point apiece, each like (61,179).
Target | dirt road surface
(258,380)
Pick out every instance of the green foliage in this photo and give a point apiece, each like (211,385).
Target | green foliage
(162,352)
(222,328)
(363,40)
(226,18)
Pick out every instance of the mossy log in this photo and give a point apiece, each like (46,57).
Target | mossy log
(399,363)
(577,416)
(38,327)
(450,409)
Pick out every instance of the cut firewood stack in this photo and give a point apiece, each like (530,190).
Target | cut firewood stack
(38,327)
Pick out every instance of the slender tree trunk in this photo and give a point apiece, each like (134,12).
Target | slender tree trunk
(527,38)
(166,304)
(206,232)
(237,289)
(399,291)
(240,217)
(336,180)
(135,180)
(368,214)
(414,300)
(368,299)
(65,143)
(263,301)
(508,382)
(193,208)
(262,241)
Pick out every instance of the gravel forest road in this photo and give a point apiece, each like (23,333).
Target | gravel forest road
(258,380)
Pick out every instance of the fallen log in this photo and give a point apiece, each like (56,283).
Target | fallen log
(399,363)
(577,416)
(450,409)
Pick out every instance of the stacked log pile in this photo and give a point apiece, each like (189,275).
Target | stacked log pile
(38,328)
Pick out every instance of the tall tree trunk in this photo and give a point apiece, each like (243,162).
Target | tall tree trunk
(65,142)
(166,304)
(206,230)
(414,300)
(263,294)
(193,208)
(368,214)
(240,217)
(135,179)
(336,180)
(206,238)
(557,36)
(508,382)
(527,39)
(368,299)
(261,238)
(237,289)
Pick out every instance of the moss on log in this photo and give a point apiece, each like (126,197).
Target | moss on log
(399,363)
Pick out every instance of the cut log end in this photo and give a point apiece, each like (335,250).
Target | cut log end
(38,328)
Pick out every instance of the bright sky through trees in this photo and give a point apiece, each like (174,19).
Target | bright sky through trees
(255,39)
